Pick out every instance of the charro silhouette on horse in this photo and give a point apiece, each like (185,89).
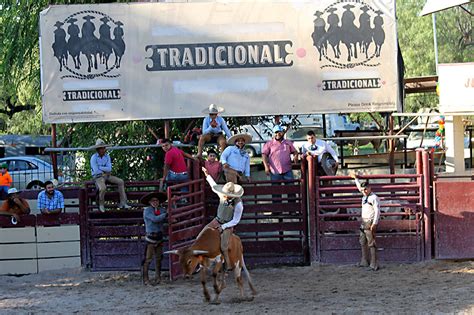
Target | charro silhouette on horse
(365,30)
(334,32)
(74,42)
(350,33)
(90,42)
(118,44)
(319,35)
(379,34)
(60,45)
(105,42)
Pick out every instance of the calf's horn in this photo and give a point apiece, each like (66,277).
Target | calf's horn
(171,252)
(200,252)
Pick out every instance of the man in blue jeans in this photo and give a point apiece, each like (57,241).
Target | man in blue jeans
(175,168)
(276,155)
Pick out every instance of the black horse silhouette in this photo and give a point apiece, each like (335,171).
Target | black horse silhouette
(74,42)
(366,31)
(105,42)
(334,32)
(350,33)
(60,45)
(89,42)
(118,44)
(319,35)
(379,34)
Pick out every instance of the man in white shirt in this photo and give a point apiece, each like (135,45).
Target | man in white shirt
(229,212)
(327,165)
(370,218)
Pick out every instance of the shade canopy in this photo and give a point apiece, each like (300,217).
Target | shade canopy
(432,6)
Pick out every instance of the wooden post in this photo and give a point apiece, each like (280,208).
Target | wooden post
(54,155)
(427,203)
(304,211)
(167,129)
(313,216)
(391,147)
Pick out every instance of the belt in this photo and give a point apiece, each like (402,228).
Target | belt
(182,173)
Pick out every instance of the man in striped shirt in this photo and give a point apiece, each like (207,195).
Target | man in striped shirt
(50,200)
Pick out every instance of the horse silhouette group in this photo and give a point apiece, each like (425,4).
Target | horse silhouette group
(356,39)
(84,41)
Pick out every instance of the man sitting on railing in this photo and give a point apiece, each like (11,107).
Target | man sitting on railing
(174,167)
(235,160)
(50,200)
(15,206)
(327,157)
(370,218)
(101,168)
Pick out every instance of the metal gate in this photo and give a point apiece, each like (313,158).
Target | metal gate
(335,222)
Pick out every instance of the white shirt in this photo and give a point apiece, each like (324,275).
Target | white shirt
(238,209)
(319,148)
(370,206)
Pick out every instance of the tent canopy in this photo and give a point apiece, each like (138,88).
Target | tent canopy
(432,6)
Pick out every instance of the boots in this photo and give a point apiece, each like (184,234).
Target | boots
(364,260)
(374,265)
(146,280)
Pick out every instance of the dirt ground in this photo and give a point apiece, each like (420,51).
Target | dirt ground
(431,287)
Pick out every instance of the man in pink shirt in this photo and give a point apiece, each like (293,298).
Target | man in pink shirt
(276,156)
(174,168)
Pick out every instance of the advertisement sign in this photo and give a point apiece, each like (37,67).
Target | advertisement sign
(140,61)
(456,87)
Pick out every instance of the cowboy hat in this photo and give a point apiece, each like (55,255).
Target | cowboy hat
(246,136)
(105,19)
(230,190)
(13,191)
(213,109)
(58,24)
(160,195)
(99,143)
(318,13)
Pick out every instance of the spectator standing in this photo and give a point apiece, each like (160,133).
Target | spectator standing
(235,159)
(101,169)
(213,166)
(174,168)
(50,200)
(320,148)
(15,206)
(154,216)
(5,181)
(370,219)
(214,129)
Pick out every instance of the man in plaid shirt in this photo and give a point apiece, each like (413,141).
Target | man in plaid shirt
(50,200)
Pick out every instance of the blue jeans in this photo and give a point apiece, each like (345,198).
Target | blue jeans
(178,177)
(285,176)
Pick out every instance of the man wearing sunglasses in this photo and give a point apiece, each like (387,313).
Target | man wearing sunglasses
(235,160)
(370,218)
(214,129)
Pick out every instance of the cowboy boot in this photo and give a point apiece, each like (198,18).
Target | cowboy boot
(374,265)
(146,280)
(364,260)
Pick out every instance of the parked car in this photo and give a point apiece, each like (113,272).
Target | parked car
(28,172)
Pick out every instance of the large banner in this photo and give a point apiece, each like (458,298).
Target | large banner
(456,87)
(138,61)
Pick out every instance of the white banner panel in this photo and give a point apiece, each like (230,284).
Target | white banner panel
(134,61)
(456,87)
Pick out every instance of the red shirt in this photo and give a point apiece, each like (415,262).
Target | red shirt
(214,169)
(174,158)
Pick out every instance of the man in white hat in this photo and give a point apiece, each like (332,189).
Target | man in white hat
(213,127)
(101,169)
(229,212)
(235,160)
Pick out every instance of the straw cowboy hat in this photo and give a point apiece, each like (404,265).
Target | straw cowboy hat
(246,136)
(99,143)
(230,190)
(13,191)
(160,195)
(213,109)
